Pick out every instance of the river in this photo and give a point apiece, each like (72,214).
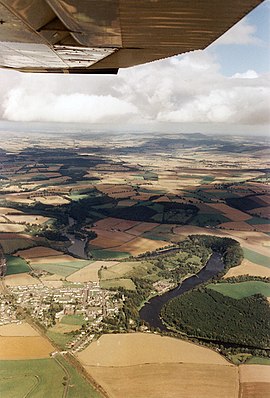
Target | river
(77,247)
(150,312)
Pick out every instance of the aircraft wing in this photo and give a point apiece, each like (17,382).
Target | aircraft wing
(100,36)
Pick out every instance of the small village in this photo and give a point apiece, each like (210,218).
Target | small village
(86,302)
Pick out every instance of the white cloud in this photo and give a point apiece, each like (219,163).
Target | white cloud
(21,106)
(189,88)
(249,74)
(241,33)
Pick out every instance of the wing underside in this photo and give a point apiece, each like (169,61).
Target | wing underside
(100,36)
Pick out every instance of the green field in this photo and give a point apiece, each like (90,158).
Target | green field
(258,221)
(127,284)
(16,265)
(207,179)
(73,320)
(77,196)
(161,232)
(60,339)
(119,270)
(256,258)
(258,361)
(242,289)
(64,269)
(212,219)
(79,387)
(99,254)
(41,378)
(129,269)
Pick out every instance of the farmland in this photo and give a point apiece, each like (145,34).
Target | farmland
(257,258)
(248,268)
(241,290)
(22,342)
(158,366)
(16,265)
(39,375)
(92,227)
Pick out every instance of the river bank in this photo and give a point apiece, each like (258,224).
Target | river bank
(150,312)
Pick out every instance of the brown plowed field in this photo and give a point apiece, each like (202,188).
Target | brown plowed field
(38,251)
(142,227)
(254,381)
(262,211)
(262,227)
(54,259)
(237,225)
(233,214)
(262,199)
(254,390)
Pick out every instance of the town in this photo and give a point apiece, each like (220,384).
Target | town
(86,303)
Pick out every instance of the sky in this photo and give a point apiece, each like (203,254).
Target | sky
(226,86)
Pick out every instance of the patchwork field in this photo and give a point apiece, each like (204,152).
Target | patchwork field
(124,236)
(253,241)
(53,261)
(138,192)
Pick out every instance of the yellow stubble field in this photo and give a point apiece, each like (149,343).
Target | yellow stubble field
(146,365)
(90,272)
(22,342)
(248,268)
(23,279)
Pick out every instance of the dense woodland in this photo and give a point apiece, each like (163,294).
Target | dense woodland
(208,314)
